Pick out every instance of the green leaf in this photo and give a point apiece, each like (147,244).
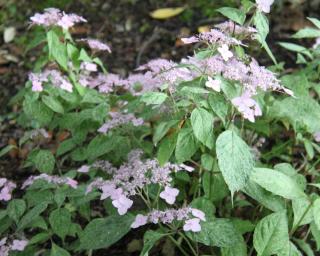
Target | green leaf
(39,238)
(277,183)
(296,48)
(271,234)
(58,251)
(304,247)
(99,146)
(239,249)
(205,205)
(60,221)
(214,186)
(262,24)
(166,148)
(219,106)
(234,14)
(44,161)
(300,207)
(57,50)
(103,232)
(6,149)
(217,232)
(38,111)
(307,33)
(162,129)
(186,145)
(316,212)
(315,22)
(316,234)
(264,197)
(202,125)
(53,103)
(149,240)
(235,160)
(154,98)
(32,215)
(16,209)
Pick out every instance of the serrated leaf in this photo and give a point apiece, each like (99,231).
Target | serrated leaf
(307,33)
(217,232)
(271,234)
(154,98)
(262,24)
(166,13)
(166,148)
(60,221)
(202,125)
(300,213)
(277,183)
(273,202)
(235,160)
(186,145)
(16,209)
(103,232)
(162,129)
(32,215)
(219,106)
(57,50)
(53,104)
(58,251)
(44,161)
(296,48)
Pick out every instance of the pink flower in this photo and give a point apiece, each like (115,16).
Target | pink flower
(7,188)
(264,5)
(122,204)
(198,214)
(72,183)
(108,190)
(69,20)
(139,221)
(192,225)
(225,52)
(37,81)
(84,169)
(169,194)
(214,84)
(18,245)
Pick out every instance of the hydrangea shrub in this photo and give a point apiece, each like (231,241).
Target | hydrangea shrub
(199,153)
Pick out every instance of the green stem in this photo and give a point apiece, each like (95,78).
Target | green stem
(188,242)
(178,245)
(294,228)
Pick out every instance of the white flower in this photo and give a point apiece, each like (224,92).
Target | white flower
(192,225)
(225,52)
(122,204)
(169,194)
(264,5)
(214,84)
(198,214)
(139,221)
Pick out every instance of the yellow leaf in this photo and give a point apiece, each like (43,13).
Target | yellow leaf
(166,13)
(203,29)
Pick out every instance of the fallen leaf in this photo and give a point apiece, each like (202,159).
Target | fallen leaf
(9,34)
(166,13)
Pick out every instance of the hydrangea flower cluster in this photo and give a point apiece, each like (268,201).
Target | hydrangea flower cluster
(6,187)
(51,179)
(214,36)
(117,119)
(16,245)
(231,28)
(96,45)
(54,17)
(56,78)
(134,175)
(190,216)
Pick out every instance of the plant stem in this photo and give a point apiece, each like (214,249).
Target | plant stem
(188,242)
(178,245)
(294,228)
